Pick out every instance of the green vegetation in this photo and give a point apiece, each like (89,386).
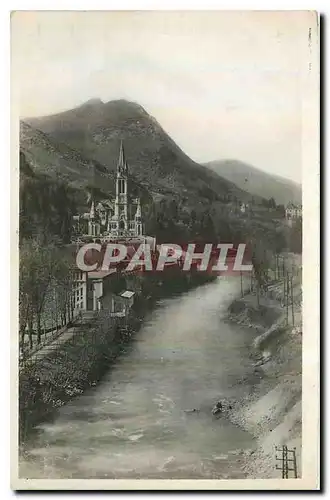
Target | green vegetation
(46,206)
(43,271)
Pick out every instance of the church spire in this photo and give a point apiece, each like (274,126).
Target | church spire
(122,165)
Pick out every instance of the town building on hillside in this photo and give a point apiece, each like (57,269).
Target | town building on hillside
(116,218)
(244,207)
(293,211)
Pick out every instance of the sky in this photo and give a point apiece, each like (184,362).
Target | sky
(224,85)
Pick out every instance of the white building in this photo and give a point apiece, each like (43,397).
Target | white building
(293,211)
(244,207)
(79,291)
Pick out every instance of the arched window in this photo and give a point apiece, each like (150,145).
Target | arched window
(121,186)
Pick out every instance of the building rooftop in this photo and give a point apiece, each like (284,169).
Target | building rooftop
(127,294)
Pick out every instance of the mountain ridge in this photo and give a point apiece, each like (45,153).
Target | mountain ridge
(258,182)
(95,130)
(183,199)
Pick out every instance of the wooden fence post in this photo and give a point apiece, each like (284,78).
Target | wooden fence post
(258,295)
(287,298)
(275,267)
(292,304)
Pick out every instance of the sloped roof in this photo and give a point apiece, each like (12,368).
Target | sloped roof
(127,294)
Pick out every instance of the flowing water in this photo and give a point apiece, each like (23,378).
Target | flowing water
(134,424)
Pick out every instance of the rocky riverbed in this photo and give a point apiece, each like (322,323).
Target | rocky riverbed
(272,410)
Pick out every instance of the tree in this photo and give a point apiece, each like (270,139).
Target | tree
(272,203)
(40,267)
(173,210)
(281,210)
(46,206)
(207,231)
(63,285)
(296,236)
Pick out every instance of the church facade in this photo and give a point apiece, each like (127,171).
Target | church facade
(114,218)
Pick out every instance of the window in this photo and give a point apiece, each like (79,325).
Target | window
(121,186)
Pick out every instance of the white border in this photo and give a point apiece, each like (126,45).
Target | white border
(311,233)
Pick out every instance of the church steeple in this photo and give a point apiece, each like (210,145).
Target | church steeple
(121,165)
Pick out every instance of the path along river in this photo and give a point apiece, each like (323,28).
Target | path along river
(134,423)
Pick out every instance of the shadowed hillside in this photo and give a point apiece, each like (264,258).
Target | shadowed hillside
(95,130)
(257,182)
(46,205)
(47,156)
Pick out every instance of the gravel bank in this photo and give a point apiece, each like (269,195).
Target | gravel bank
(272,410)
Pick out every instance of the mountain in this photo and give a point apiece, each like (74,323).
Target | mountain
(79,149)
(57,160)
(94,130)
(257,182)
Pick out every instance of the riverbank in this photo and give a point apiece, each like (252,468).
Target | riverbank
(134,423)
(271,411)
(48,382)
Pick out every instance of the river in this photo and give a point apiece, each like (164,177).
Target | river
(134,423)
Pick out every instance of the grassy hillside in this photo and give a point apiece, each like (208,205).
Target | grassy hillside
(57,160)
(257,182)
(95,130)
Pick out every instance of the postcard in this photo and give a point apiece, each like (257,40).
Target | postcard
(165,250)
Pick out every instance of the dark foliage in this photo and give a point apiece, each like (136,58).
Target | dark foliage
(46,206)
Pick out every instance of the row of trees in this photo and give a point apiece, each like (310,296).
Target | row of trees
(45,280)
(44,275)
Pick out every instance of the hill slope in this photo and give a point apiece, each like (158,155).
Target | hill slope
(257,182)
(57,160)
(96,128)
(46,205)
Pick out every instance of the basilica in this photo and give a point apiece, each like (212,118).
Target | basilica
(117,218)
